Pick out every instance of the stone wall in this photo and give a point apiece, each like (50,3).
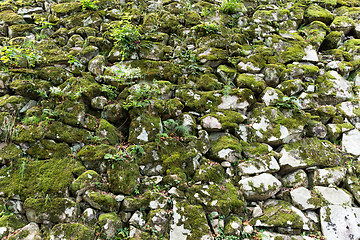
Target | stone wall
(166,119)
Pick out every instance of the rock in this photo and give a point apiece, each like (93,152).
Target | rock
(110,134)
(233,227)
(97,65)
(331,177)
(278,213)
(188,222)
(260,187)
(271,96)
(335,196)
(137,219)
(99,102)
(295,179)
(89,216)
(339,222)
(159,220)
(29,232)
(144,129)
(43,210)
(71,230)
(10,223)
(304,199)
(349,141)
(226,148)
(298,155)
(86,180)
(264,164)
(102,201)
(110,223)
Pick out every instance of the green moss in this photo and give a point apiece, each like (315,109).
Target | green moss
(106,130)
(37,178)
(222,198)
(332,40)
(45,149)
(12,221)
(74,231)
(52,209)
(316,13)
(11,18)
(124,177)
(208,82)
(65,133)
(209,172)
(84,180)
(12,104)
(256,84)
(280,214)
(31,133)
(106,201)
(228,119)
(9,153)
(66,8)
(210,54)
(315,152)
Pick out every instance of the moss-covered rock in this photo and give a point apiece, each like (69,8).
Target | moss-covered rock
(37,178)
(10,223)
(144,128)
(308,152)
(102,201)
(55,75)
(9,153)
(63,9)
(54,210)
(11,18)
(12,104)
(189,221)
(278,213)
(71,231)
(222,198)
(45,149)
(124,177)
(93,156)
(109,133)
(226,148)
(316,13)
(253,82)
(28,133)
(222,120)
(110,223)
(62,132)
(209,172)
(87,179)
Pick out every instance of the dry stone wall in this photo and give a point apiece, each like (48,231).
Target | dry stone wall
(166,119)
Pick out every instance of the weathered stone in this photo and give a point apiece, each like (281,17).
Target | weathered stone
(335,196)
(260,187)
(304,199)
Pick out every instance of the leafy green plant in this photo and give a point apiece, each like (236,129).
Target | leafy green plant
(122,234)
(89,4)
(188,58)
(173,128)
(123,155)
(230,6)
(11,55)
(140,96)
(289,103)
(74,62)
(43,24)
(5,211)
(110,91)
(126,37)
(209,28)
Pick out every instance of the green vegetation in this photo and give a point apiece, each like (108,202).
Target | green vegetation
(126,37)
(89,4)
(208,28)
(13,55)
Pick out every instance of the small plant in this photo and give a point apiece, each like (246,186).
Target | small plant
(209,28)
(289,103)
(11,55)
(5,211)
(122,234)
(173,128)
(140,96)
(126,37)
(89,4)
(74,62)
(43,24)
(230,6)
(123,155)
(110,91)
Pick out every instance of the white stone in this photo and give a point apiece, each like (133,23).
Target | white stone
(260,187)
(211,123)
(335,196)
(350,142)
(311,54)
(339,222)
(300,198)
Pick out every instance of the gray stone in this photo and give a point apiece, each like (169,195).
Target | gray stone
(29,232)
(328,176)
(260,187)
(350,142)
(304,199)
(335,196)
(295,179)
(339,222)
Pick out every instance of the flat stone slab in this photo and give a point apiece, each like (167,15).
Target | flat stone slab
(335,196)
(260,187)
(340,222)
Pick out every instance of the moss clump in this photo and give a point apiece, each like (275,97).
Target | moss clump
(62,9)
(37,178)
(226,143)
(51,210)
(86,179)
(71,112)
(12,222)
(228,119)
(93,156)
(102,201)
(315,152)
(110,133)
(222,198)
(124,177)
(208,82)
(256,84)
(12,104)
(25,133)
(209,172)
(65,133)
(46,148)
(71,231)
(9,153)
(316,13)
